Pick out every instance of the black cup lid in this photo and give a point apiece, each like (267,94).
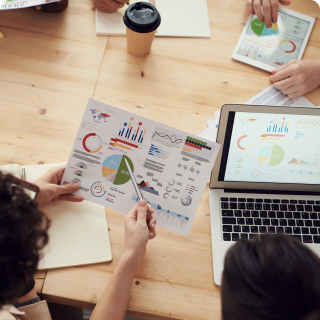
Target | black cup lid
(142,17)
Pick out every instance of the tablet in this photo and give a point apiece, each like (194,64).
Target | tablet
(269,49)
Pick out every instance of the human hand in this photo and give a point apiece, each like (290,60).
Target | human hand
(270,10)
(297,77)
(50,191)
(108,6)
(139,228)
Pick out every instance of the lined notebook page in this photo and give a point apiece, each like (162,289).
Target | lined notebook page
(79,231)
(179,18)
(78,235)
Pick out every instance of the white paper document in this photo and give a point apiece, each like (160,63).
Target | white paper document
(179,18)
(274,97)
(171,166)
(18,4)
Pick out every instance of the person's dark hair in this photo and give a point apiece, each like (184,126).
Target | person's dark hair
(23,234)
(274,277)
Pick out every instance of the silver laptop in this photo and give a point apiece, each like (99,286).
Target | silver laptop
(266,178)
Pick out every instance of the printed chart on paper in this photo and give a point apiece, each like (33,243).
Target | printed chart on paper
(171,167)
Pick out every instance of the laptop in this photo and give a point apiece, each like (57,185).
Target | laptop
(266,178)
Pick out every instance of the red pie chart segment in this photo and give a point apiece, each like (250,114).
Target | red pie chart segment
(92,143)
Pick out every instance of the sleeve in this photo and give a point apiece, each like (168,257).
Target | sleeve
(36,311)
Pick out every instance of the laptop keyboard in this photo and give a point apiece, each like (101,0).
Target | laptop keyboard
(242,218)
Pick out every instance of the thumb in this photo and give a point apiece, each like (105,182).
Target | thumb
(67,188)
(142,211)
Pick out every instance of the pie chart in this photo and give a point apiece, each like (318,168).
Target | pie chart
(271,155)
(92,143)
(260,29)
(114,169)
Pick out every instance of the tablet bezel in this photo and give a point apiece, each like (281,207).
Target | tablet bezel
(264,66)
(224,116)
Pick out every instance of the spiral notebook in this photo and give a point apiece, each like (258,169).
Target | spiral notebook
(79,231)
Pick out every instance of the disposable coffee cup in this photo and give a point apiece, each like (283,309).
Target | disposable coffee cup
(142,20)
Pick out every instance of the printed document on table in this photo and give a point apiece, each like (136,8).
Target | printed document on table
(172,167)
(274,97)
(179,18)
(18,4)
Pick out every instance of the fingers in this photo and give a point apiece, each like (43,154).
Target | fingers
(67,188)
(71,198)
(152,227)
(250,6)
(284,66)
(274,11)
(285,2)
(267,13)
(286,83)
(142,211)
(283,74)
(257,9)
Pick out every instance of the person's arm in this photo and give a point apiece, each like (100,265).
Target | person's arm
(51,191)
(108,6)
(138,230)
(269,15)
(297,77)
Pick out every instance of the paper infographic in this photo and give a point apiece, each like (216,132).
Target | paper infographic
(171,167)
(18,4)
(275,46)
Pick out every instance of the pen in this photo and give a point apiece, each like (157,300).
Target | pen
(23,175)
(134,182)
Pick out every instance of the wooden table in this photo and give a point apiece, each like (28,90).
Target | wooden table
(51,64)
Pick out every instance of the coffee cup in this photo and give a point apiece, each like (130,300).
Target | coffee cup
(142,20)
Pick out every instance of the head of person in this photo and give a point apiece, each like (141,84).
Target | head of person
(23,234)
(274,277)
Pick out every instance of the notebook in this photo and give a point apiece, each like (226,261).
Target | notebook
(179,18)
(18,4)
(79,231)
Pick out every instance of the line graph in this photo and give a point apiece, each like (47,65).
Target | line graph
(167,137)
(308,123)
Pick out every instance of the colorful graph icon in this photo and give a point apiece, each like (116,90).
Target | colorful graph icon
(158,152)
(145,187)
(278,126)
(256,173)
(271,155)
(114,169)
(288,46)
(76,180)
(92,143)
(97,189)
(172,182)
(186,200)
(81,165)
(131,131)
(159,209)
(197,147)
(245,143)
(167,137)
(78,173)
(260,29)
(297,162)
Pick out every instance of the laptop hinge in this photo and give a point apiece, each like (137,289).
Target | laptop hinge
(255,191)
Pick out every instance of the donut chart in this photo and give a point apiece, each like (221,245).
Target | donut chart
(186,200)
(245,143)
(97,189)
(287,46)
(92,143)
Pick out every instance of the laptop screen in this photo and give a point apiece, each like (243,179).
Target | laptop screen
(274,148)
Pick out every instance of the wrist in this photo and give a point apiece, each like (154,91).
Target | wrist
(131,257)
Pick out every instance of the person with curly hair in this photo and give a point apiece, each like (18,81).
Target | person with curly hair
(23,235)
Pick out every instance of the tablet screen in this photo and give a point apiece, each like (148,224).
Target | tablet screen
(276,148)
(275,46)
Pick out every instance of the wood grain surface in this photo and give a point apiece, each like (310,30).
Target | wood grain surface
(50,66)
